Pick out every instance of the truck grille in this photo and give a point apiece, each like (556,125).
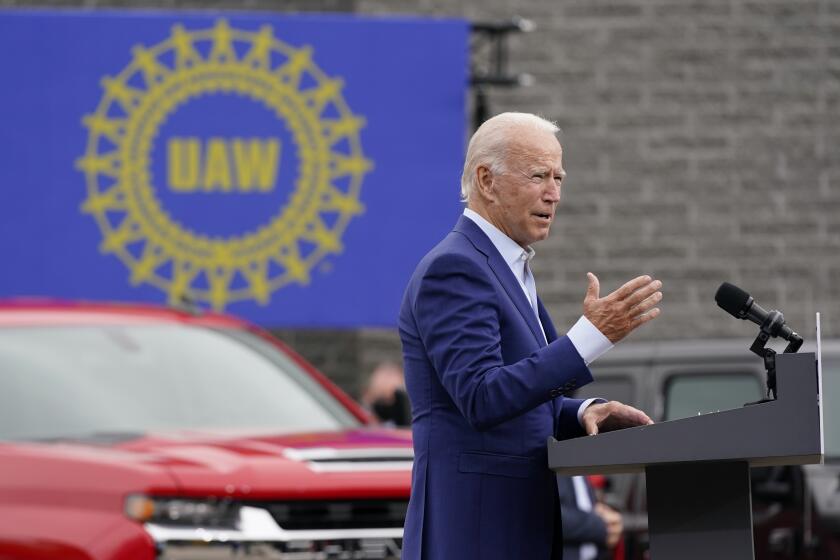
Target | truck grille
(259,533)
(337,514)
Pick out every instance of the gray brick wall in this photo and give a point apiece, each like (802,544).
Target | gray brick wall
(701,140)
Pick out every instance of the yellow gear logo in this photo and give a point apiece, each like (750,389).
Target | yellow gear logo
(161,250)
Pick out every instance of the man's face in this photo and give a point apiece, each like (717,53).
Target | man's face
(524,197)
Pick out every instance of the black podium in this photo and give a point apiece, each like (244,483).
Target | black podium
(697,469)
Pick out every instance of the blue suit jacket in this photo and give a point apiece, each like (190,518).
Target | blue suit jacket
(486,393)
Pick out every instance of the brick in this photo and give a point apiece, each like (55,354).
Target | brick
(577,75)
(568,247)
(802,121)
(693,9)
(832,101)
(646,32)
(633,73)
(664,167)
(574,120)
(778,227)
(692,96)
(694,274)
(808,249)
(709,55)
(730,30)
(734,249)
(583,142)
(694,143)
(661,251)
(736,72)
(730,119)
(750,96)
(780,10)
(774,55)
(601,9)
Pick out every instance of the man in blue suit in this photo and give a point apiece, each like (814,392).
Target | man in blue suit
(485,368)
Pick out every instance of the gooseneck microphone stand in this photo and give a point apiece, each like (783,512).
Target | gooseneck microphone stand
(771,328)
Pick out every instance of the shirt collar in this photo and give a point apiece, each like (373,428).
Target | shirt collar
(510,250)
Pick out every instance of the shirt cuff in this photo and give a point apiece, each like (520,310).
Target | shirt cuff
(589,342)
(583,407)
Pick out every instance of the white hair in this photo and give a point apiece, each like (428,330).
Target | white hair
(489,145)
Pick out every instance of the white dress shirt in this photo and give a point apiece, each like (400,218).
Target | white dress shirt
(589,342)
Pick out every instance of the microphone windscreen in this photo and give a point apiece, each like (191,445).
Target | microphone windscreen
(731,298)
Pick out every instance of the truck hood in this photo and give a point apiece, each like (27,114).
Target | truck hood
(347,463)
(341,464)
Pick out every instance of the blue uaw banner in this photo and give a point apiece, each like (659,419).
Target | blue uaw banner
(288,169)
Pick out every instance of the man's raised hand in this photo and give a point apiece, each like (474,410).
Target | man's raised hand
(619,313)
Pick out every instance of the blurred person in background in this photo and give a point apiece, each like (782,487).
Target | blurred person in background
(384,395)
(591,529)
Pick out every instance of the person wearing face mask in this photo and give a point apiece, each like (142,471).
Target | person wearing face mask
(385,397)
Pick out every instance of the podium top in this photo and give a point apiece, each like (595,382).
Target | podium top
(785,431)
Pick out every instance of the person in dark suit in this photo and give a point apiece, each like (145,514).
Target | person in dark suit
(486,370)
(590,528)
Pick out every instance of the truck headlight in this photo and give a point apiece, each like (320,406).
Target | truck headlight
(210,512)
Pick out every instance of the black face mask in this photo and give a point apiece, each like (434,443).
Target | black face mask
(397,412)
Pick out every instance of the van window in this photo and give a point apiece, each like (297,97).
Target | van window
(689,394)
(610,387)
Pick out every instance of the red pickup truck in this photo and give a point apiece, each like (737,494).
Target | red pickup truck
(140,432)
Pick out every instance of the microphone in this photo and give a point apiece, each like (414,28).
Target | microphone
(741,305)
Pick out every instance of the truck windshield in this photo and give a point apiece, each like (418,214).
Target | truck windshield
(78,381)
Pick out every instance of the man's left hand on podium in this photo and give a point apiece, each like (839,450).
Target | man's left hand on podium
(612,415)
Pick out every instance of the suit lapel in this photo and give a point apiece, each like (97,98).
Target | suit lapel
(503,274)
